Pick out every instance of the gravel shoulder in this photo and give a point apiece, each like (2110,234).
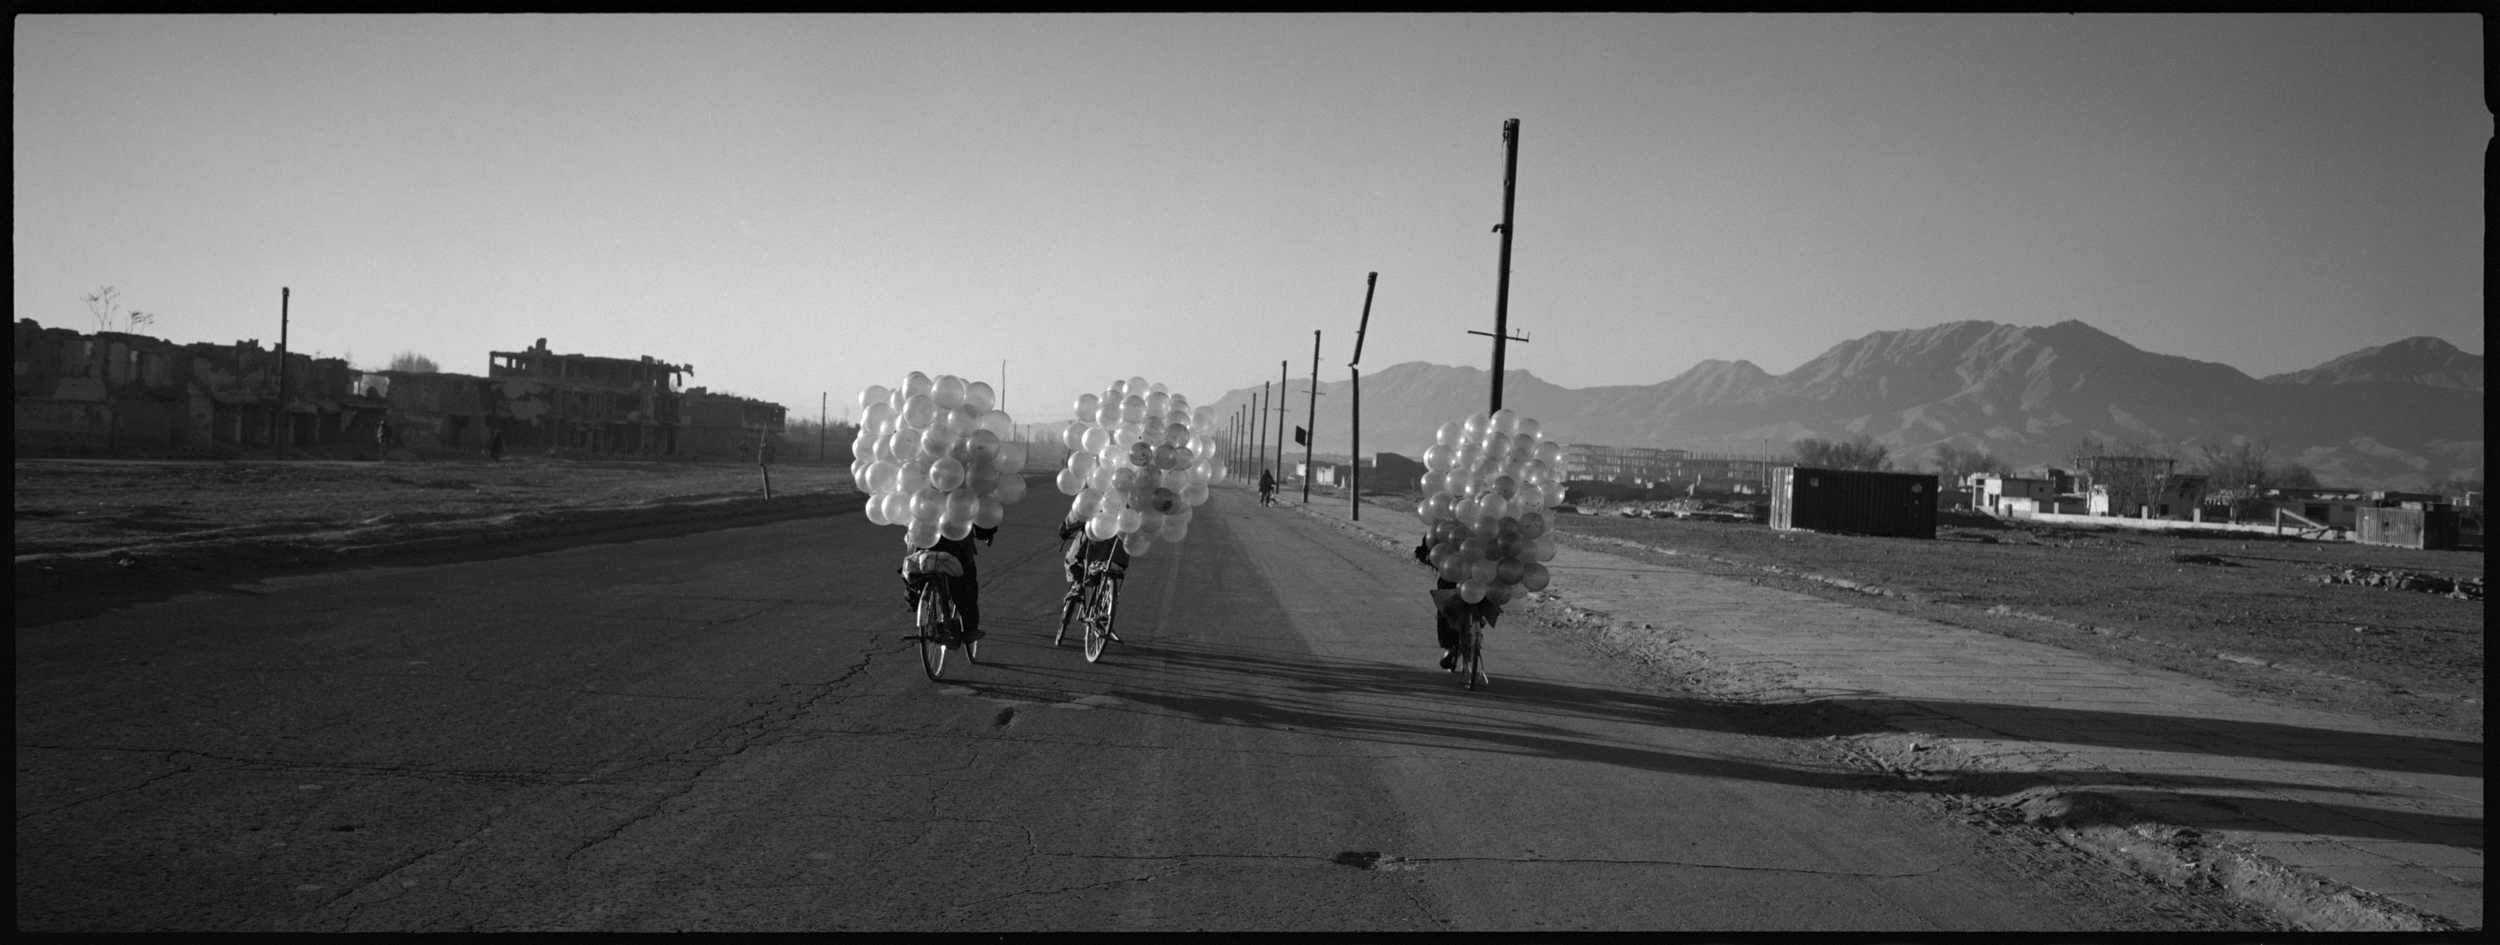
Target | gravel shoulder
(2247,611)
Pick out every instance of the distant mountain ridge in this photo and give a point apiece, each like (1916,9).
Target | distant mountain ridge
(2419,360)
(2398,416)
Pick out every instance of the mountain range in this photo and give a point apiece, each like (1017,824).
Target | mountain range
(2398,416)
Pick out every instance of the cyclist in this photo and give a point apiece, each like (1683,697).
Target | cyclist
(1080,550)
(965,588)
(1450,610)
(1267,488)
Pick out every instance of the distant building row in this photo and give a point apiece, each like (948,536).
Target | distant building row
(1704,473)
(119,393)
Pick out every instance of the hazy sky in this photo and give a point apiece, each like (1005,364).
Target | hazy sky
(798,204)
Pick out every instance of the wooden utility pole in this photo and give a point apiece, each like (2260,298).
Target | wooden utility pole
(823,399)
(1354,495)
(1501,285)
(1258,440)
(278,427)
(1282,382)
(1310,432)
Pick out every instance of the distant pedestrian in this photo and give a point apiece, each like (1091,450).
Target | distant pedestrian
(1267,488)
(494,445)
(382,435)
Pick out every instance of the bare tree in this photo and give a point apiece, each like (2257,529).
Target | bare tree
(413,363)
(105,307)
(1954,464)
(1860,452)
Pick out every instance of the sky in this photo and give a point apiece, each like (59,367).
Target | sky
(803,205)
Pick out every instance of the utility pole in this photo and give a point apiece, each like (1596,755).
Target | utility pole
(823,400)
(1354,495)
(1501,290)
(1282,382)
(278,428)
(1259,440)
(1310,433)
(1002,383)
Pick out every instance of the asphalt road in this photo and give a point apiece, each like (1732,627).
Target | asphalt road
(728,731)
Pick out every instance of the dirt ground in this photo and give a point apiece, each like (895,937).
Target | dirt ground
(2245,610)
(71,506)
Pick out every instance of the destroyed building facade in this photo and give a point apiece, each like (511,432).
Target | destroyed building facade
(114,393)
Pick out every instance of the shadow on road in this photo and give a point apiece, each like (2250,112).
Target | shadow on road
(1398,704)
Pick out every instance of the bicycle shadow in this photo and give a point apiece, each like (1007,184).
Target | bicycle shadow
(1405,707)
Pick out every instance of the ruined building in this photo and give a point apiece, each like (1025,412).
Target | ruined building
(124,394)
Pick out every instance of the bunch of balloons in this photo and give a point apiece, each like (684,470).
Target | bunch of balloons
(933,457)
(1134,467)
(1487,486)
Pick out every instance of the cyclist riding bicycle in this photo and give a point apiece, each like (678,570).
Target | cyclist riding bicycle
(1267,488)
(964,588)
(1450,611)
(1080,551)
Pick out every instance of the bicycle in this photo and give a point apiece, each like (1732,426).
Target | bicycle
(1471,657)
(1468,652)
(1097,603)
(940,624)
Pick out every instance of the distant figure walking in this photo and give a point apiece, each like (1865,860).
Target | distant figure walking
(382,436)
(494,445)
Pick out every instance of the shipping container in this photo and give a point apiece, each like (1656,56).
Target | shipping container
(1848,500)
(2432,529)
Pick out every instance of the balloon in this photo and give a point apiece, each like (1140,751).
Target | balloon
(1471,590)
(1095,439)
(1102,526)
(1086,406)
(980,396)
(982,479)
(1069,481)
(1012,456)
(963,420)
(961,503)
(921,533)
(876,511)
(1510,570)
(1011,488)
(1175,529)
(989,512)
(997,422)
(913,477)
(1108,414)
(1498,593)
(955,529)
(1129,519)
(1532,524)
(1534,577)
(1137,544)
(1074,436)
(946,475)
(926,504)
(949,392)
(876,393)
(1087,503)
(919,410)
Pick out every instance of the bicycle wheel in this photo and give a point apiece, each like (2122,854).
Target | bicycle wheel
(1474,660)
(1098,619)
(1069,616)
(935,609)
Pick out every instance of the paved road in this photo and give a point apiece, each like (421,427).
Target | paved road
(727,731)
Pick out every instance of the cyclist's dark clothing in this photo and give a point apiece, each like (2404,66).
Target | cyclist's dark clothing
(1267,485)
(1081,549)
(966,589)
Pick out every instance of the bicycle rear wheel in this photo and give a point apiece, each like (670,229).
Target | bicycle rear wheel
(935,609)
